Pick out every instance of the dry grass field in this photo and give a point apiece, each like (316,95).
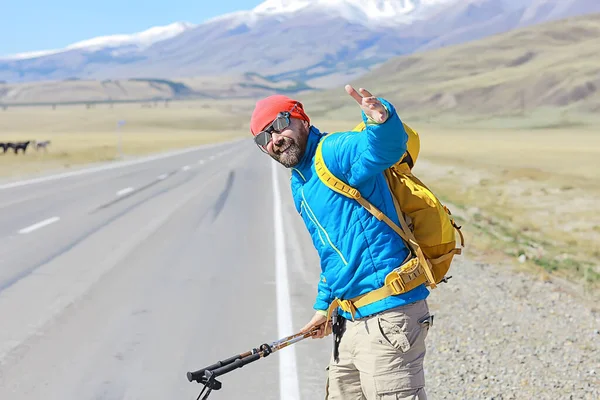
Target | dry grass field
(531,193)
(80,135)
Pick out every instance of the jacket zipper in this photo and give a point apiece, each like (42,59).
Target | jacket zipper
(314,219)
(303,207)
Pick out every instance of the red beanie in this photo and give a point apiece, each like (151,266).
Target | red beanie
(266,111)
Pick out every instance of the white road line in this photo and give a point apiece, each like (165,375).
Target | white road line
(186,168)
(39,225)
(289,388)
(123,192)
(161,177)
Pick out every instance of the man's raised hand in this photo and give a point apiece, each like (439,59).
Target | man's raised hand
(370,104)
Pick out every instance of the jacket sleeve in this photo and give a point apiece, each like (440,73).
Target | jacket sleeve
(357,156)
(324,296)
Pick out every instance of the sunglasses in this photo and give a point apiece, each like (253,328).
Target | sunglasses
(279,124)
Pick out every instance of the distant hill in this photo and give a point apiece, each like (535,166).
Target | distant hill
(142,89)
(554,65)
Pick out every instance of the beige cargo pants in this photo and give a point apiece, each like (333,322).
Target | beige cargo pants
(381,356)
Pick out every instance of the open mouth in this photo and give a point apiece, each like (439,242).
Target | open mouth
(284,150)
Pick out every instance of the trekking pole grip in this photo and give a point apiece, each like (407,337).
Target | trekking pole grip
(197,375)
(239,363)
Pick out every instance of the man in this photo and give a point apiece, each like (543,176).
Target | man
(379,348)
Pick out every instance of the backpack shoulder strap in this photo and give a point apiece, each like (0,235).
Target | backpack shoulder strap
(330,180)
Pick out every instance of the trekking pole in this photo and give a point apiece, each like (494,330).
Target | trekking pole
(207,375)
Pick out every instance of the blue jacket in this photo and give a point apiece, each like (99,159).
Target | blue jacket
(357,251)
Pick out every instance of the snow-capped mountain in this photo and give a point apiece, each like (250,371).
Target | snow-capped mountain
(137,41)
(141,40)
(361,11)
(317,41)
(364,12)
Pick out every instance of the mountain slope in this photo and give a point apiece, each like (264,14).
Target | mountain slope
(477,19)
(317,41)
(555,65)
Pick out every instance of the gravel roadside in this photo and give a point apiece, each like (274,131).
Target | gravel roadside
(502,334)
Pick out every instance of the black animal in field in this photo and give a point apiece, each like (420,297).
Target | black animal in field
(15,146)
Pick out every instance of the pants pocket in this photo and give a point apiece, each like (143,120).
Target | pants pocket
(399,386)
(402,335)
(393,335)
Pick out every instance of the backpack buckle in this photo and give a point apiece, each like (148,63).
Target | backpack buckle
(397,286)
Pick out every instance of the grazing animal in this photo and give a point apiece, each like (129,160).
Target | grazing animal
(7,146)
(21,146)
(18,146)
(41,145)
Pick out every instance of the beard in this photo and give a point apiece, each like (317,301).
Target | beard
(292,155)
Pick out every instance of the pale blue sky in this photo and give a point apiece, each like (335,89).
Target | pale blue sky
(29,25)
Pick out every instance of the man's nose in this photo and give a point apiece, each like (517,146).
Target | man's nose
(277,138)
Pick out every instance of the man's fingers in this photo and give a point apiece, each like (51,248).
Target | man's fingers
(316,334)
(320,333)
(365,92)
(309,327)
(371,99)
(353,93)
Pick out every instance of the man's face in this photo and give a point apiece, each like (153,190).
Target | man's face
(288,146)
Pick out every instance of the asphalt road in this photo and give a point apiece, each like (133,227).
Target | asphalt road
(115,282)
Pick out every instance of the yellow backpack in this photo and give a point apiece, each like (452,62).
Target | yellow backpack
(426,225)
